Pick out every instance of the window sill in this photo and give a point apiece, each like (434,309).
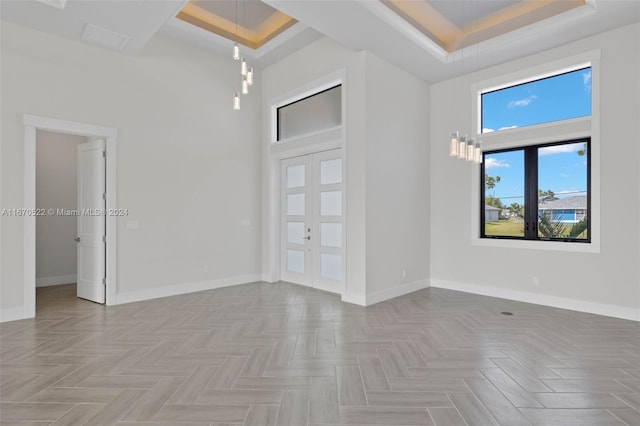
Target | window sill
(537,245)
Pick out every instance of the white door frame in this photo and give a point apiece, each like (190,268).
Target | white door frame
(110,134)
(306,144)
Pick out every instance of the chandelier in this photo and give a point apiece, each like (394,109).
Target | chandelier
(461,145)
(465,148)
(246,71)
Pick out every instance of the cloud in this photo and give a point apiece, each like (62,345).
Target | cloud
(586,80)
(522,102)
(560,149)
(564,175)
(570,192)
(488,130)
(494,163)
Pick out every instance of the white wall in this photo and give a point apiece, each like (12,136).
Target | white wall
(56,157)
(607,282)
(188,165)
(397,179)
(386,164)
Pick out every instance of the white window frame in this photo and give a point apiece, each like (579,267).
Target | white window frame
(556,131)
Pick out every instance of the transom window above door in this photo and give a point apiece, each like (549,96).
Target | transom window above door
(314,113)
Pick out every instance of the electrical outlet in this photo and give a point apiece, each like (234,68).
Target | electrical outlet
(535,281)
(404,273)
(205,268)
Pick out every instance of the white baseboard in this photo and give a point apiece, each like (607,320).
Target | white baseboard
(381,296)
(542,299)
(401,290)
(353,298)
(12,314)
(174,290)
(61,279)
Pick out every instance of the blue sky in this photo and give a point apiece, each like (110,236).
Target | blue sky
(561,169)
(551,99)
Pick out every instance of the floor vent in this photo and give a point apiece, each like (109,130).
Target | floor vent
(506,313)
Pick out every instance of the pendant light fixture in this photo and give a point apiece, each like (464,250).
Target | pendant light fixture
(250,76)
(245,85)
(243,67)
(453,149)
(236,52)
(246,71)
(463,146)
(236,101)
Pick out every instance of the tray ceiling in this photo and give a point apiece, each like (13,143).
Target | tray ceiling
(248,22)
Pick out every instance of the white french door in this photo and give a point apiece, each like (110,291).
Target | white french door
(312,221)
(91,221)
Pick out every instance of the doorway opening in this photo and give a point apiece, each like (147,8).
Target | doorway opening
(94,145)
(61,163)
(312,220)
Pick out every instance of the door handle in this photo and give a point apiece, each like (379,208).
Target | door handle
(307,237)
(76,239)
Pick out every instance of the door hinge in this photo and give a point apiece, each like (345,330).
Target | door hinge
(104,197)
(104,238)
(104,281)
(104,154)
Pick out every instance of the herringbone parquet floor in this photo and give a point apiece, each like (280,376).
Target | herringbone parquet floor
(279,354)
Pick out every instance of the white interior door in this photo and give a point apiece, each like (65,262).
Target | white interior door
(312,225)
(91,221)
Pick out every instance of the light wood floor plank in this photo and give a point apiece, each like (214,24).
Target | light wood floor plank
(448,416)
(350,387)
(323,401)
(294,410)
(571,417)
(281,354)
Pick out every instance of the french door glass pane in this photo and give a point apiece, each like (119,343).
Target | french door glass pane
(295,204)
(331,203)
(331,266)
(295,176)
(504,194)
(295,261)
(562,191)
(330,234)
(331,171)
(295,232)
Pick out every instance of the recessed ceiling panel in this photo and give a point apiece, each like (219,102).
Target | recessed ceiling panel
(250,14)
(249,22)
(463,13)
(454,25)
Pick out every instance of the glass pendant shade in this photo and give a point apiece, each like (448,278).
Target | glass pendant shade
(243,67)
(236,101)
(470,150)
(250,76)
(236,52)
(462,147)
(453,149)
(245,85)
(477,157)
